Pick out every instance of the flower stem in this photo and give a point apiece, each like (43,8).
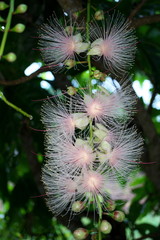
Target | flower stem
(88,39)
(7,27)
(89,63)
(14,106)
(100,218)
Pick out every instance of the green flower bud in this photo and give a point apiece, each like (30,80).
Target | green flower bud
(10,57)
(80,233)
(105,227)
(77,206)
(3,6)
(22,8)
(110,205)
(103,77)
(69,30)
(97,74)
(118,216)
(18,28)
(70,63)
(99,15)
(71,90)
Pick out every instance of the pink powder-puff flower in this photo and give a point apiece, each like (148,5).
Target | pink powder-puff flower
(115,42)
(103,106)
(58,117)
(60,187)
(74,156)
(123,153)
(59,44)
(94,185)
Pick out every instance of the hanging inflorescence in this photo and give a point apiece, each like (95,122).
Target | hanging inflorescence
(89,145)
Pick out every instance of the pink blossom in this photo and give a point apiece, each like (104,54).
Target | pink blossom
(59,44)
(58,118)
(83,165)
(124,152)
(115,42)
(104,106)
(60,188)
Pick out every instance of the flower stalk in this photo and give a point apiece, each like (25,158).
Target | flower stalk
(7,27)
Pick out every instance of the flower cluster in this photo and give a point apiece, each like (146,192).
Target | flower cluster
(88,150)
(113,40)
(89,145)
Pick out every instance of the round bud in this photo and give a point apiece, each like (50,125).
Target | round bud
(22,8)
(99,15)
(77,206)
(97,74)
(71,90)
(80,233)
(18,28)
(69,63)
(3,6)
(69,30)
(103,77)
(10,57)
(110,205)
(118,216)
(105,227)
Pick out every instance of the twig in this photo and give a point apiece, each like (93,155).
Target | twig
(25,79)
(14,106)
(145,20)
(137,8)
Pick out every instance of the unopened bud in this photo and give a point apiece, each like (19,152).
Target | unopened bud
(110,205)
(69,63)
(69,30)
(97,74)
(80,233)
(71,90)
(77,206)
(18,28)
(105,227)
(99,15)
(22,8)
(118,216)
(10,57)
(3,5)
(103,77)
